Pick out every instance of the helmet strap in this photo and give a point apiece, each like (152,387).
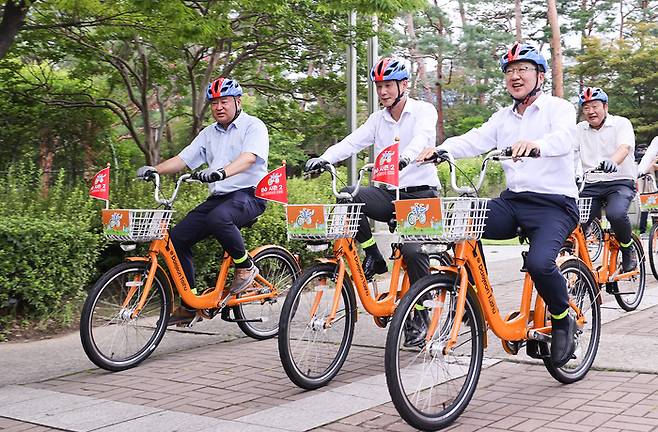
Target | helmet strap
(600,125)
(397,99)
(524,100)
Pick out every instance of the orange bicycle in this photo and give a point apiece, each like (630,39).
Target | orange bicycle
(626,287)
(432,385)
(127,310)
(318,316)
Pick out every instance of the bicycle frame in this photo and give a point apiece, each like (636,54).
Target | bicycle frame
(345,256)
(216,298)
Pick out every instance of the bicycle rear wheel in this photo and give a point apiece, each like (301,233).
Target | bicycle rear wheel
(278,267)
(111,338)
(628,292)
(584,292)
(312,353)
(653,250)
(429,388)
(594,239)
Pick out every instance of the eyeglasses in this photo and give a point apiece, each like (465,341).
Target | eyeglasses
(521,71)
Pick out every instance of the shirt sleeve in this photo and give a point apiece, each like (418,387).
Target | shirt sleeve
(560,140)
(361,138)
(474,142)
(625,134)
(649,158)
(256,140)
(424,133)
(194,155)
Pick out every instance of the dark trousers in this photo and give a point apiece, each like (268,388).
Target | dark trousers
(547,220)
(220,216)
(616,196)
(379,206)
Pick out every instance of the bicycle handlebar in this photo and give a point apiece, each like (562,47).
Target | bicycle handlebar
(155,177)
(334,177)
(584,180)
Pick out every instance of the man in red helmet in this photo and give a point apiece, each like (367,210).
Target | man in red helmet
(235,148)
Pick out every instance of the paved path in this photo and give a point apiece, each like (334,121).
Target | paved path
(215,380)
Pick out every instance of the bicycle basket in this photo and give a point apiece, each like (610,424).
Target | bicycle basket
(584,208)
(322,221)
(441,220)
(649,202)
(135,225)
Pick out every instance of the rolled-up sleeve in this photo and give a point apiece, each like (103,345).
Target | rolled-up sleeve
(560,140)
(361,138)
(256,140)
(476,141)
(194,155)
(424,132)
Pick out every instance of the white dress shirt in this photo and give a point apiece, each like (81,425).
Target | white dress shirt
(416,129)
(548,122)
(649,158)
(595,145)
(218,147)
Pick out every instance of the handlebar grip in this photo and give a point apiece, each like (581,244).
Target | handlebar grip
(507,152)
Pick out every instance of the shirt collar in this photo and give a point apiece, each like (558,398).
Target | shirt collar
(237,123)
(538,104)
(408,108)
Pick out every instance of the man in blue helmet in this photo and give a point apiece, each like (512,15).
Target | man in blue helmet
(413,122)
(606,142)
(541,193)
(235,148)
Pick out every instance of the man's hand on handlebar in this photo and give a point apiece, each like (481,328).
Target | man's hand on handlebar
(402,164)
(315,164)
(210,175)
(146,172)
(607,166)
(432,154)
(524,148)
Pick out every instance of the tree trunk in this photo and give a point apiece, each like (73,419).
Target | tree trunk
(440,130)
(13,18)
(46,156)
(421,76)
(556,50)
(517,20)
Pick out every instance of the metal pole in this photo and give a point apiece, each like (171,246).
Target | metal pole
(373,55)
(351,91)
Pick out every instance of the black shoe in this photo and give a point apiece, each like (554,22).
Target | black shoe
(628,259)
(563,344)
(415,329)
(373,266)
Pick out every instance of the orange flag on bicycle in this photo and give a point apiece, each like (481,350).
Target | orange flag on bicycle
(386,165)
(100,185)
(273,187)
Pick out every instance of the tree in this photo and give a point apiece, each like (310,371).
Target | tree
(13,18)
(556,51)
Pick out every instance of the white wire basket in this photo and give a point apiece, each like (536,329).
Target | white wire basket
(649,202)
(584,208)
(322,221)
(136,225)
(441,220)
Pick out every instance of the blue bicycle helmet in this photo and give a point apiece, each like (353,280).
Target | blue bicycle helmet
(389,69)
(222,87)
(591,94)
(523,52)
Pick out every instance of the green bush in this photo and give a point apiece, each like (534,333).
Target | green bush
(44,265)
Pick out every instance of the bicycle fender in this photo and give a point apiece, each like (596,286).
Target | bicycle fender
(327,260)
(161,270)
(259,249)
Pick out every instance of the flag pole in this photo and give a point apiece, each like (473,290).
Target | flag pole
(107,201)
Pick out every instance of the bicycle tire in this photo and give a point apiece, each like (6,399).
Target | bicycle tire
(106,298)
(653,250)
(408,396)
(625,301)
(594,239)
(300,332)
(584,291)
(278,267)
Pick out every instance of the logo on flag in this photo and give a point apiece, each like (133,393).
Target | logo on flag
(273,187)
(100,184)
(386,166)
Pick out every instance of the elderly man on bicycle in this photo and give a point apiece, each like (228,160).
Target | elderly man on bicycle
(607,143)
(541,193)
(235,148)
(413,122)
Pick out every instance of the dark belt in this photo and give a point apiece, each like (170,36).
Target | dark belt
(412,189)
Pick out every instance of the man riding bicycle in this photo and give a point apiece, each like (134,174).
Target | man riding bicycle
(413,122)
(235,149)
(606,142)
(541,192)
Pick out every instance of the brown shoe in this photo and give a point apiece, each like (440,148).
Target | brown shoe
(242,279)
(181,316)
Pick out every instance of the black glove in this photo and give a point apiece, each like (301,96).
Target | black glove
(438,156)
(315,164)
(210,175)
(146,172)
(402,164)
(607,166)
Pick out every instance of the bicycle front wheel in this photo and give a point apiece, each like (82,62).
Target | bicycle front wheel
(584,292)
(430,388)
(311,351)
(112,338)
(594,239)
(653,250)
(280,269)
(629,291)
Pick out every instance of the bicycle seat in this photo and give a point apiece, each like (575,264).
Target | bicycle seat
(250,223)
(392,224)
